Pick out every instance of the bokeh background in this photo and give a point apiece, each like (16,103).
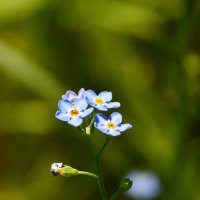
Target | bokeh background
(147,52)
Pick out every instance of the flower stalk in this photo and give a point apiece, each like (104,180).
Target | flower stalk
(104,146)
(98,167)
(88,174)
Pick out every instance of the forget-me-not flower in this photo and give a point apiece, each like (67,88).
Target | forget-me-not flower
(72,96)
(111,126)
(73,112)
(101,101)
(55,167)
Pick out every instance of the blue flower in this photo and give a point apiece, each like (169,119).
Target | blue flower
(101,101)
(55,167)
(72,96)
(112,125)
(73,112)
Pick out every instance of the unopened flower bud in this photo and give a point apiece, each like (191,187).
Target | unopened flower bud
(125,185)
(68,171)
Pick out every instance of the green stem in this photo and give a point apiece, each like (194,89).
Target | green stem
(88,174)
(97,165)
(103,147)
(113,197)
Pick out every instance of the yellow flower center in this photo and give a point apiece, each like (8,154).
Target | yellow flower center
(74,112)
(99,101)
(111,125)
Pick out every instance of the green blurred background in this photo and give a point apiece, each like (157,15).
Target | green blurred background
(147,52)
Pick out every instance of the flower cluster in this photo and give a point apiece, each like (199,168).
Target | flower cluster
(73,109)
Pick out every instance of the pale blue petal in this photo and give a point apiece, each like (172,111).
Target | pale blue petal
(75,121)
(62,116)
(64,105)
(81,93)
(100,125)
(116,118)
(100,107)
(106,96)
(100,119)
(70,95)
(113,105)
(81,104)
(91,103)
(90,94)
(103,129)
(113,133)
(86,112)
(124,127)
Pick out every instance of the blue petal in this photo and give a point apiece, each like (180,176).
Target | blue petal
(113,133)
(91,103)
(124,127)
(81,104)
(100,119)
(86,112)
(106,96)
(64,105)
(116,118)
(90,95)
(81,93)
(103,129)
(76,121)
(100,107)
(113,105)
(70,95)
(62,116)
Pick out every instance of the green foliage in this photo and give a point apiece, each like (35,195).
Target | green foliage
(145,52)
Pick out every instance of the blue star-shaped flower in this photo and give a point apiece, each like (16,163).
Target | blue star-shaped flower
(73,112)
(72,96)
(111,126)
(101,101)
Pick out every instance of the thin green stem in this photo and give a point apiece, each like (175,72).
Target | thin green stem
(88,174)
(113,197)
(103,147)
(98,168)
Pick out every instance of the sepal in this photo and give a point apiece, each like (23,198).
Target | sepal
(68,171)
